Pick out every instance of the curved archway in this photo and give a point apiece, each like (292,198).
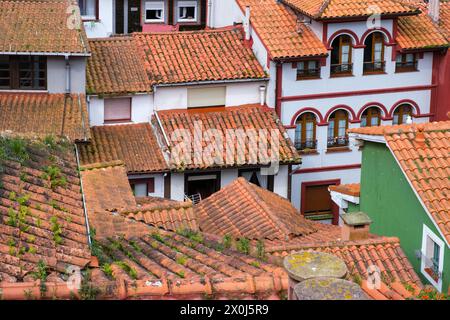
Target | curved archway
(374,104)
(338,33)
(343,107)
(412,103)
(304,110)
(389,40)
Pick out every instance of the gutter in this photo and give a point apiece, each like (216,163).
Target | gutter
(60,54)
(199,83)
(88,229)
(162,129)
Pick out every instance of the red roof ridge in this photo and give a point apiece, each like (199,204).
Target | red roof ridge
(189,32)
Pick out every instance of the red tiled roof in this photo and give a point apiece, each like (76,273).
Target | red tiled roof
(40,26)
(445,18)
(115,67)
(134,144)
(384,253)
(352,189)
(244,210)
(45,114)
(248,117)
(330,9)
(182,57)
(416,32)
(41,218)
(276,25)
(422,151)
(107,189)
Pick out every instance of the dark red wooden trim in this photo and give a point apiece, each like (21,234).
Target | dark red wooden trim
(334,182)
(97,10)
(307,109)
(341,32)
(382,30)
(340,106)
(357,93)
(405,101)
(329,168)
(373,104)
(167,184)
(435,79)
(325,33)
(278,88)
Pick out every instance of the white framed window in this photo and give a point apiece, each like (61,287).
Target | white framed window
(432,262)
(88,9)
(187,11)
(154,11)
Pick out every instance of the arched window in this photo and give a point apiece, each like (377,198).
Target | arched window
(305,131)
(341,56)
(371,117)
(374,53)
(401,114)
(337,129)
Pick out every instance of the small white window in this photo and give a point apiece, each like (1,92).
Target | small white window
(88,9)
(154,11)
(187,11)
(117,110)
(432,257)
(206,97)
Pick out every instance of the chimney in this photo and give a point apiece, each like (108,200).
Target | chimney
(246,23)
(433,9)
(356,226)
(262,95)
(420,137)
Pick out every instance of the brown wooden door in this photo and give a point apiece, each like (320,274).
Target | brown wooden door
(317,202)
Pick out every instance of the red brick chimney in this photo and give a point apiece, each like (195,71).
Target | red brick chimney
(356,226)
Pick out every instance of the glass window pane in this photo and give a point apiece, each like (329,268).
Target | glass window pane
(395,121)
(140,190)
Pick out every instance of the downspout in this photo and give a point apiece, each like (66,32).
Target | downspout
(162,129)
(88,229)
(210,13)
(67,93)
(278,88)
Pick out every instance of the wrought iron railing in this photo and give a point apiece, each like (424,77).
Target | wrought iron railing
(345,68)
(308,144)
(308,73)
(337,141)
(407,66)
(374,66)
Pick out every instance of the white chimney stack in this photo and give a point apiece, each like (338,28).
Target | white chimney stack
(246,23)
(262,95)
(433,9)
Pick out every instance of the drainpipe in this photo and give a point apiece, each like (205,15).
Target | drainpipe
(210,13)
(278,88)
(88,229)
(67,60)
(262,95)
(246,23)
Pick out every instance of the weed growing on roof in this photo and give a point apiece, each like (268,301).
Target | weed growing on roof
(243,245)
(181,274)
(41,274)
(53,173)
(430,293)
(260,251)
(182,259)
(87,290)
(157,237)
(56,229)
(14,149)
(127,268)
(357,279)
(106,268)
(227,240)
(135,246)
(192,235)
(28,294)
(255,264)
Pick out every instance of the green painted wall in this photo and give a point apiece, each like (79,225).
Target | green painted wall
(353,207)
(388,199)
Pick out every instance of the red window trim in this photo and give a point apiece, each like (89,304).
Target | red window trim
(149,181)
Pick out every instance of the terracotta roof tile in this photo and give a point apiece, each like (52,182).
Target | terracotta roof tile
(422,151)
(445,18)
(382,252)
(107,189)
(51,224)
(244,210)
(134,144)
(352,189)
(329,9)
(213,55)
(40,26)
(115,67)
(276,25)
(45,114)
(419,31)
(248,117)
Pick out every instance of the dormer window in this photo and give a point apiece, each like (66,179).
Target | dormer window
(406,63)
(154,12)
(187,11)
(374,54)
(308,70)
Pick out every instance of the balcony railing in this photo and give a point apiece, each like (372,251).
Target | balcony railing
(406,66)
(337,142)
(302,145)
(342,69)
(374,67)
(308,73)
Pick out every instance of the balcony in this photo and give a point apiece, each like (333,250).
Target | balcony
(342,70)
(306,74)
(410,66)
(335,142)
(374,67)
(305,145)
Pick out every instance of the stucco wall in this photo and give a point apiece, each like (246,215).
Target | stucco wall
(383,184)
(105,26)
(56,74)
(159,183)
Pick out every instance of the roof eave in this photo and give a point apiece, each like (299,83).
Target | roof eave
(364,17)
(43,53)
